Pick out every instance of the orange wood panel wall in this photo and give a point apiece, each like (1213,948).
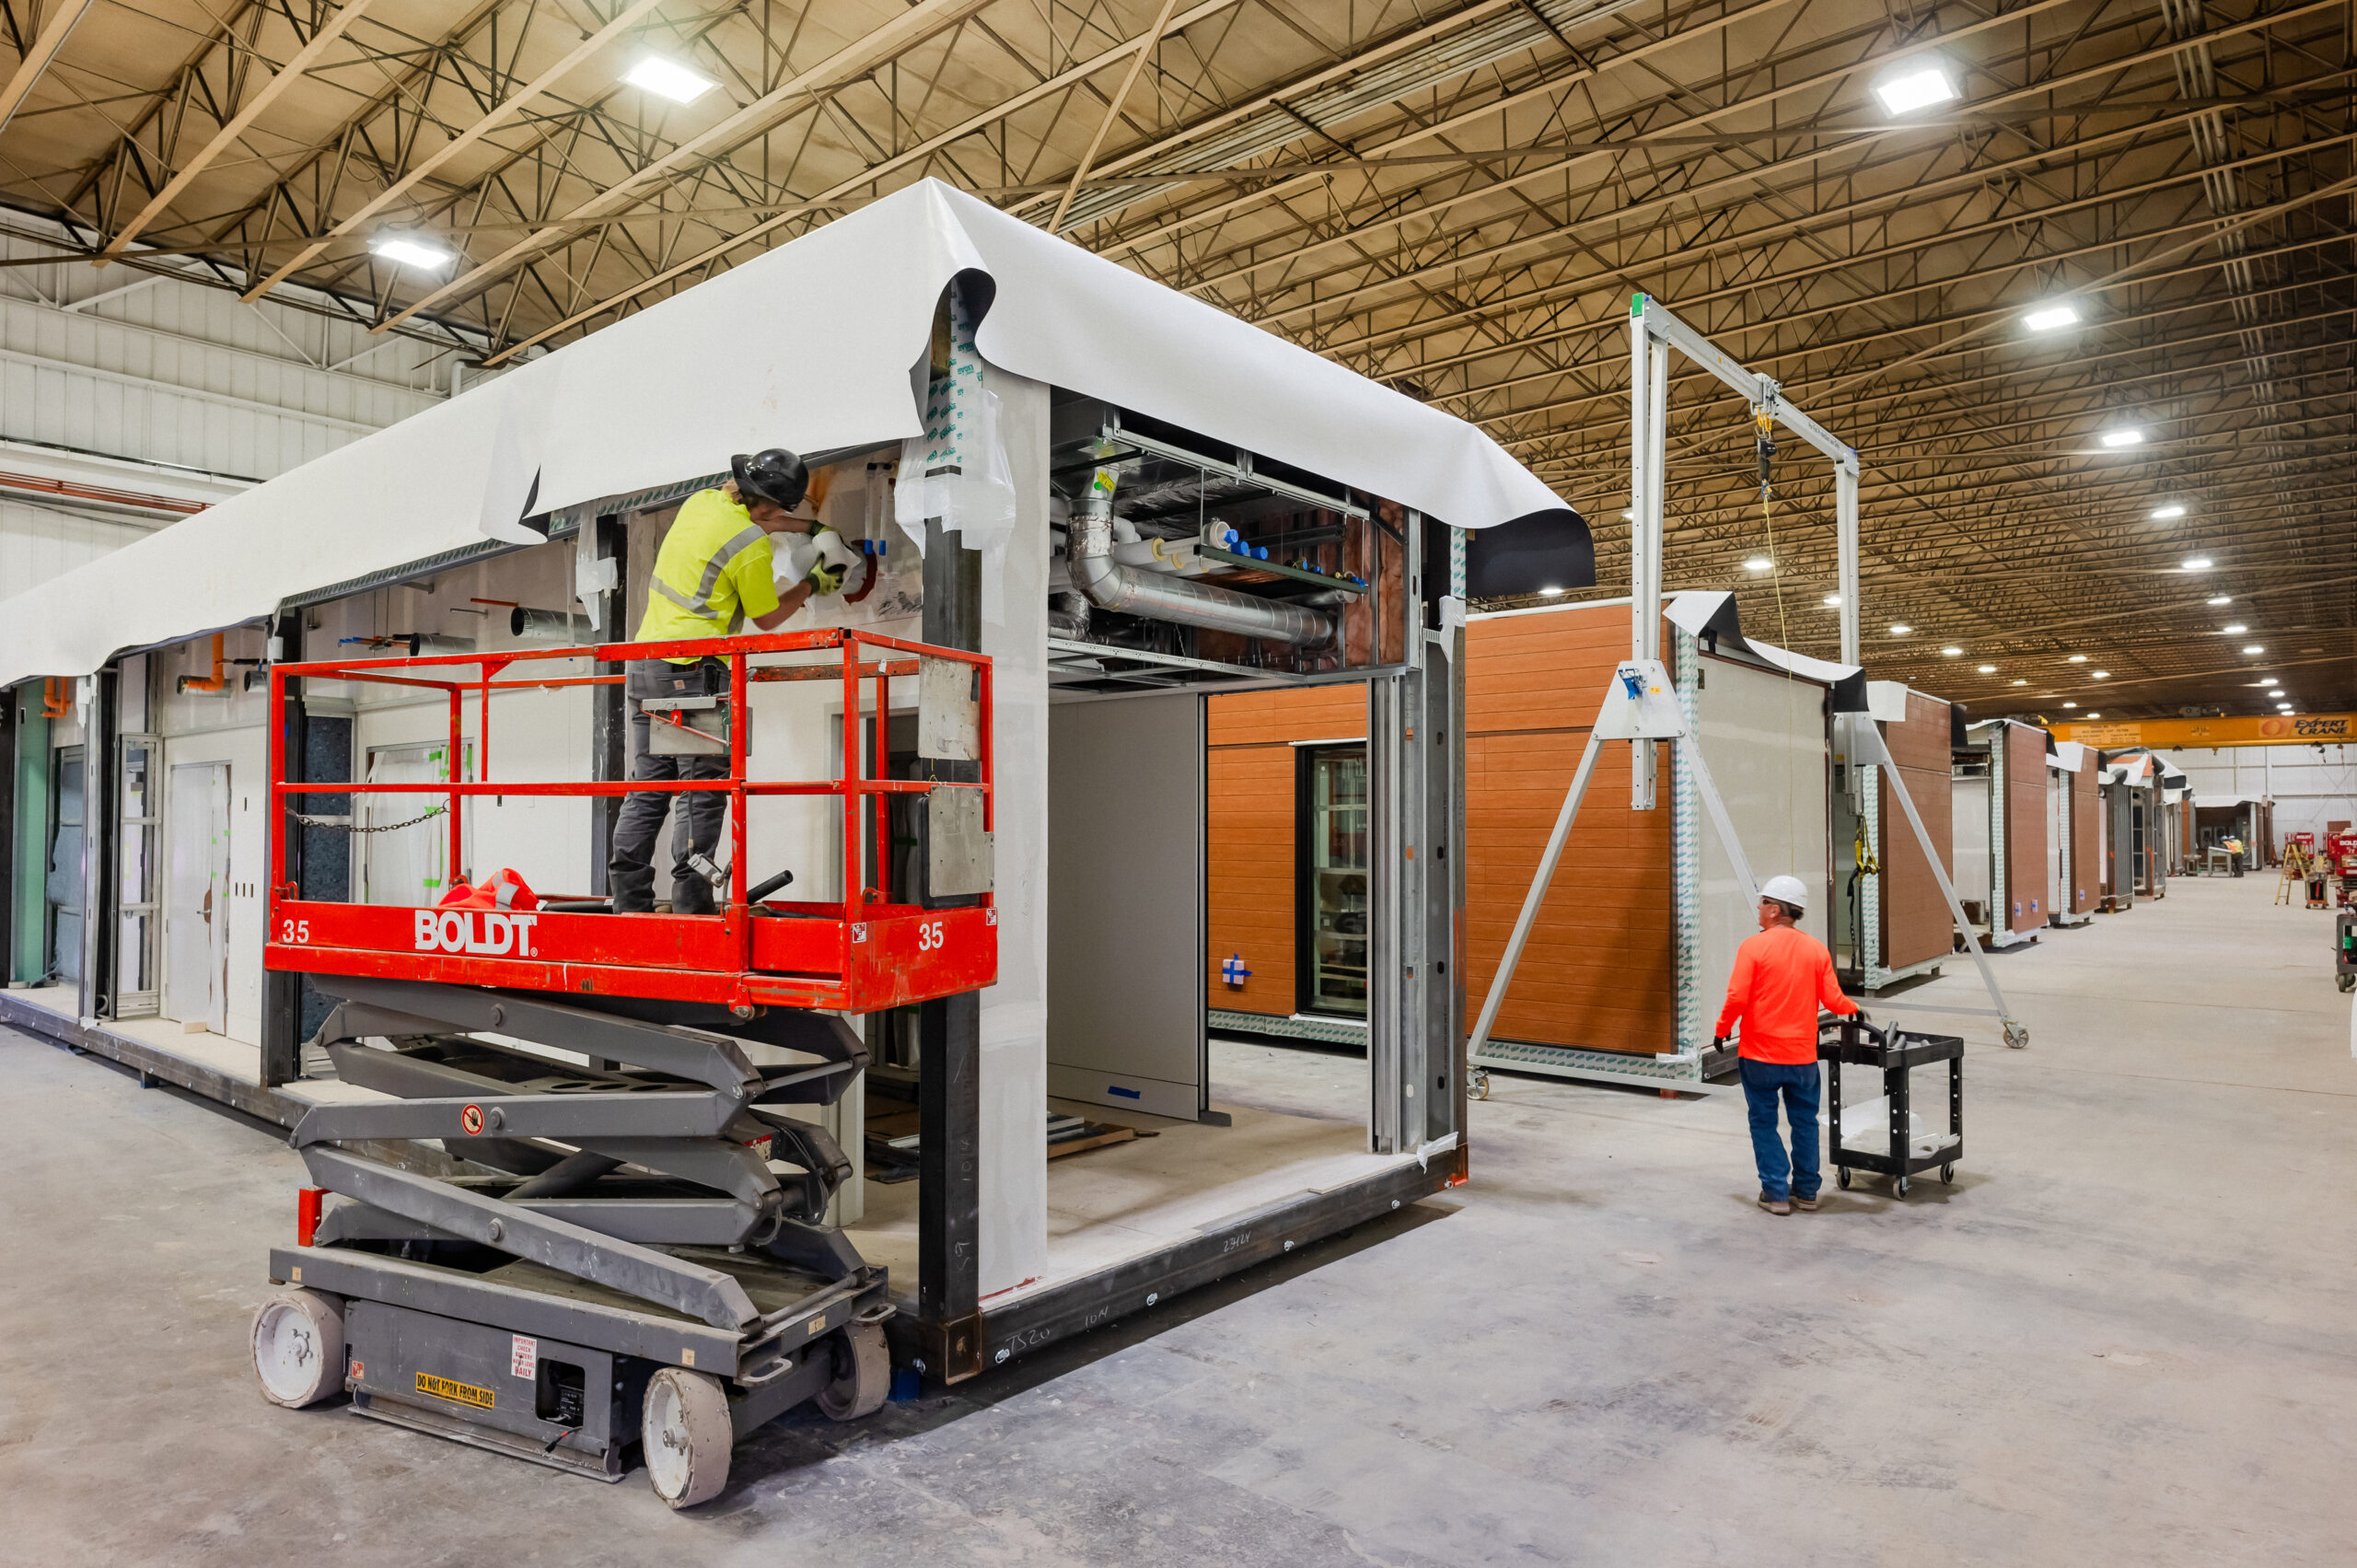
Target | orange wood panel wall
(2025,766)
(1916,925)
(1600,970)
(1249,814)
(2086,838)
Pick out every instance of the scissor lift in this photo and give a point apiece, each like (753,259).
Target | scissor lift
(621,1258)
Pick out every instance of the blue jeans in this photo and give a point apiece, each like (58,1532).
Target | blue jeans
(1800,1086)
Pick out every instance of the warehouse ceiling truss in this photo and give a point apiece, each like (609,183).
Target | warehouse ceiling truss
(2076,275)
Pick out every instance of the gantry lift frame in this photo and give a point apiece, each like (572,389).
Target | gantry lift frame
(1639,703)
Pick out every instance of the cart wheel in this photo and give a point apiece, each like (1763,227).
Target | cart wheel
(1841,1175)
(1478,1080)
(2017,1036)
(862,1374)
(298,1347)
(1899,1186)
(686,1433)
(1947,1174)
(2346,982)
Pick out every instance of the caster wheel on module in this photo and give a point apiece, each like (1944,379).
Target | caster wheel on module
(1900,1187)
(862,1374)
(1478,1081)
(2346,982)
(1948,1175)
(686,1434)
(1841,1176)
(299,1348)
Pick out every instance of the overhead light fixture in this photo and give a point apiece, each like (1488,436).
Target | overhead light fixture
(2094,715)
(2222,599)
(1950,653)
(1987,669)
(2051,317)
(1900,628)
(2128,437)
(2283,707)
(2101,674)
(1916,86)
(2254,647)
(1832,601)
(2235,630)
(2277,692)
(2196,564)
(2018,681)
(1551,592)
(2162,514)
(1759,563)
(2070,704)
(2078,659)
(1628,516)
(669,79)
(411,252)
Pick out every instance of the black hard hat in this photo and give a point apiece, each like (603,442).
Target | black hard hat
(775,475)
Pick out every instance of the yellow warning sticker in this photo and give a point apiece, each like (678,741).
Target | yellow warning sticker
(452,1389)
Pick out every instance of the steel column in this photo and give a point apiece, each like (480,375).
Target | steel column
(99,835)
(608,540)
(949,1106)
(1845,521)
(282,1010)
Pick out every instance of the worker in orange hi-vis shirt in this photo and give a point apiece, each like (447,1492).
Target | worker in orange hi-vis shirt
(1780,978)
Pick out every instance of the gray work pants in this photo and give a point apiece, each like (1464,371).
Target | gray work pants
(630,872)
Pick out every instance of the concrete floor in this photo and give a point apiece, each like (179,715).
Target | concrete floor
(2124,1336)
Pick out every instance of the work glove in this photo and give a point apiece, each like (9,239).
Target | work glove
(836,557)
(1718,1042)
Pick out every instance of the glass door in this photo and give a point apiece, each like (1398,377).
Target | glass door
(1331,896)
(137,899)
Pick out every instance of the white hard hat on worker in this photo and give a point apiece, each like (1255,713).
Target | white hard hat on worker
(1787,890)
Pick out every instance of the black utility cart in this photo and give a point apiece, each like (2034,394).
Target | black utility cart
(1894,1052)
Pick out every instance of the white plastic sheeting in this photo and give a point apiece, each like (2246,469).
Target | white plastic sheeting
(812,345)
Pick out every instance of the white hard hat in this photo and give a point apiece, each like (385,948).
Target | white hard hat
(1786,890)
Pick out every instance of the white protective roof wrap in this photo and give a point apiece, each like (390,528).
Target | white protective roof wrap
(812,345)
(1700,611)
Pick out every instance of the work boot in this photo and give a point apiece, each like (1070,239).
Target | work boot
(1775,1205)
(691,895)
(1805,1205)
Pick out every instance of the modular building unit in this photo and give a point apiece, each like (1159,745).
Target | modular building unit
(1624,972)
(1124,498)
(2001,815)
(2073,861)
(1890,922)
(2247,820)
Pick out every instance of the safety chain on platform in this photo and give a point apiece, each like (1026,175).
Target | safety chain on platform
(346,827)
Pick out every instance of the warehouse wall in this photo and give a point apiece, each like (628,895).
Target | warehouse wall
(2311,785)
(150,384)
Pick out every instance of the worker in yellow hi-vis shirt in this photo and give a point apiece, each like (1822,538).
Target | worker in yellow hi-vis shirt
(715,572)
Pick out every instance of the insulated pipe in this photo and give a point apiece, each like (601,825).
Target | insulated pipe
(1159,595)
(550,626)
(205,683)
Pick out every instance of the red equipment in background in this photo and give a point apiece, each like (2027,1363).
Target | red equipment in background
(2341,869)
(860,955)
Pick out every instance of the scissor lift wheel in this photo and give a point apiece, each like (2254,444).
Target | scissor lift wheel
(686,1434)
(298,1347)
(862,1374)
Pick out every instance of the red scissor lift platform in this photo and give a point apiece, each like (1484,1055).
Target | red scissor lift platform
(858,955)
(634,1254)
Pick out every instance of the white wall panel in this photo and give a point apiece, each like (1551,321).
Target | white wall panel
(39,543)
(174,373)
(2311,785)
